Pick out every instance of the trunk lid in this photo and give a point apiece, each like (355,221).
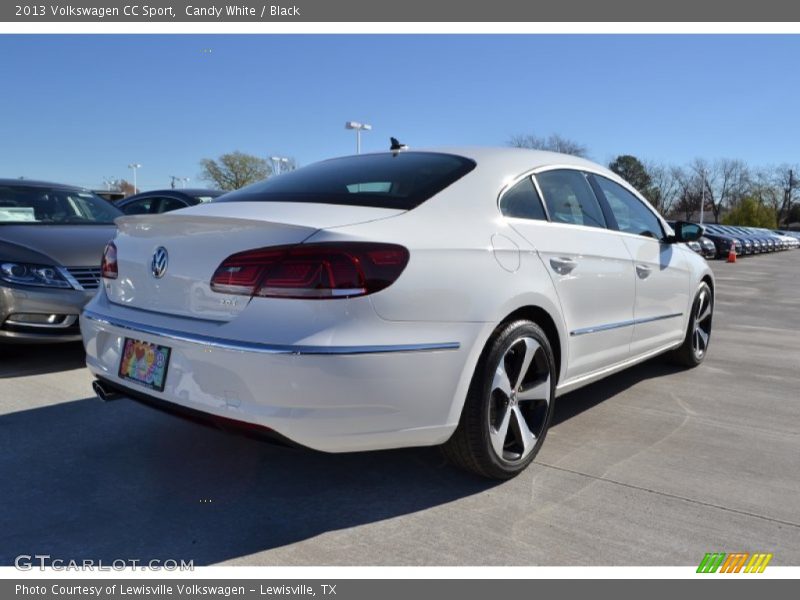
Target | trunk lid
(199,238)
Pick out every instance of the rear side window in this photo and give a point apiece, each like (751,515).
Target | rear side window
(522,202)
(570,198)
(170,204)
(139,207)
(402,180)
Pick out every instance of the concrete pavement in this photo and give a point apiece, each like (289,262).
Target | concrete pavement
(653,466)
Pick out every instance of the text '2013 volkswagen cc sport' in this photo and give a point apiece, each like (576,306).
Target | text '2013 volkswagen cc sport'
(399,299)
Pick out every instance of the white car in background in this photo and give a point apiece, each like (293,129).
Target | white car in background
(397,299)
(788,242)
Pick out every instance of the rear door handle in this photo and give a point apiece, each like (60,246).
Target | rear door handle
(643,271)
(563,265)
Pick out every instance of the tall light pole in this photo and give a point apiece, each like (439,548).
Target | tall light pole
(134,166)
(788,198)
(175,178)
(359,127)
(277,164)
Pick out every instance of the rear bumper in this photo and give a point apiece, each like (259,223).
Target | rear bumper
(329,398)
(16,300)
(196,416)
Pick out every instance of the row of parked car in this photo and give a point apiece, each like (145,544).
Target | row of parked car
(717,240)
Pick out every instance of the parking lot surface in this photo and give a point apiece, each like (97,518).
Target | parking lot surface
(653,466)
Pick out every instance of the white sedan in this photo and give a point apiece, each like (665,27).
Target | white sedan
(396,299)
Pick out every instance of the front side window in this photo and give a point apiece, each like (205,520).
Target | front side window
(522,202)
(570,198)
(631,214)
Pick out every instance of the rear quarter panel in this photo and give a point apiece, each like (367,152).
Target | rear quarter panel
(467,265)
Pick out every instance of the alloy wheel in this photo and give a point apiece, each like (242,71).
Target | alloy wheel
(702,324)
(520,399)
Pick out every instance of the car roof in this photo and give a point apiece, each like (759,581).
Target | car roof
(40,184)
(507,158)
(522,158)
(184,191)
(181,193)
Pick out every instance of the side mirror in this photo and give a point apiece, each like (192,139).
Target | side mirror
(687,232)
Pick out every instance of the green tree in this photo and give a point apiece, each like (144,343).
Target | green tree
(234,170)
(632,170)
(749,213)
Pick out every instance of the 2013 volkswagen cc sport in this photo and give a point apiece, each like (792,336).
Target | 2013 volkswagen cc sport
(396,299)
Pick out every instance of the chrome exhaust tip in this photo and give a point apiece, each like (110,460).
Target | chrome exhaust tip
(105,393)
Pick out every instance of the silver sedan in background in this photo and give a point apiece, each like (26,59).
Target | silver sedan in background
(51,243)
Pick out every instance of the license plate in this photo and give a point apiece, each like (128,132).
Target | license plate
(144,363)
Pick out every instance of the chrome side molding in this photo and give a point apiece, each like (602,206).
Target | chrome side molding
(240,346)
(632,322)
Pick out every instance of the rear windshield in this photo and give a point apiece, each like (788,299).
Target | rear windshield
(403,180)
(48,206)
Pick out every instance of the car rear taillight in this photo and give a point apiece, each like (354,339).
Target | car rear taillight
(311,271)
(108,267)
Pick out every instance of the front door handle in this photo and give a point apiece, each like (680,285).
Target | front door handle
(563,265)
(643,271)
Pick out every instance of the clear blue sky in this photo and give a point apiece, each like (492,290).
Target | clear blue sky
(76,109)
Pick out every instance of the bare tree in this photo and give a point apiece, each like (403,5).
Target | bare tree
(735,179)
(703,182)
(664,188)
(766,188)
(726,182)
(689,191)
(785,178)
(734,183)
(551,143)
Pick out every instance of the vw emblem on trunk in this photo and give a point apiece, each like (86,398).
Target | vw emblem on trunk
(160,261)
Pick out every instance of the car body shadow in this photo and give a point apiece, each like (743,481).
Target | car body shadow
(22,360)
(111,481)
(92,480)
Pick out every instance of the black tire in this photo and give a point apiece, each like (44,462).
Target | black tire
(692,352)
(484,414)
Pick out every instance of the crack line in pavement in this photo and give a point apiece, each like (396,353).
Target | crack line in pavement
(668,495)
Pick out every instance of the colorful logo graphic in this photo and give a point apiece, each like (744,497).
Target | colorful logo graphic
(144,363)
(738,562)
